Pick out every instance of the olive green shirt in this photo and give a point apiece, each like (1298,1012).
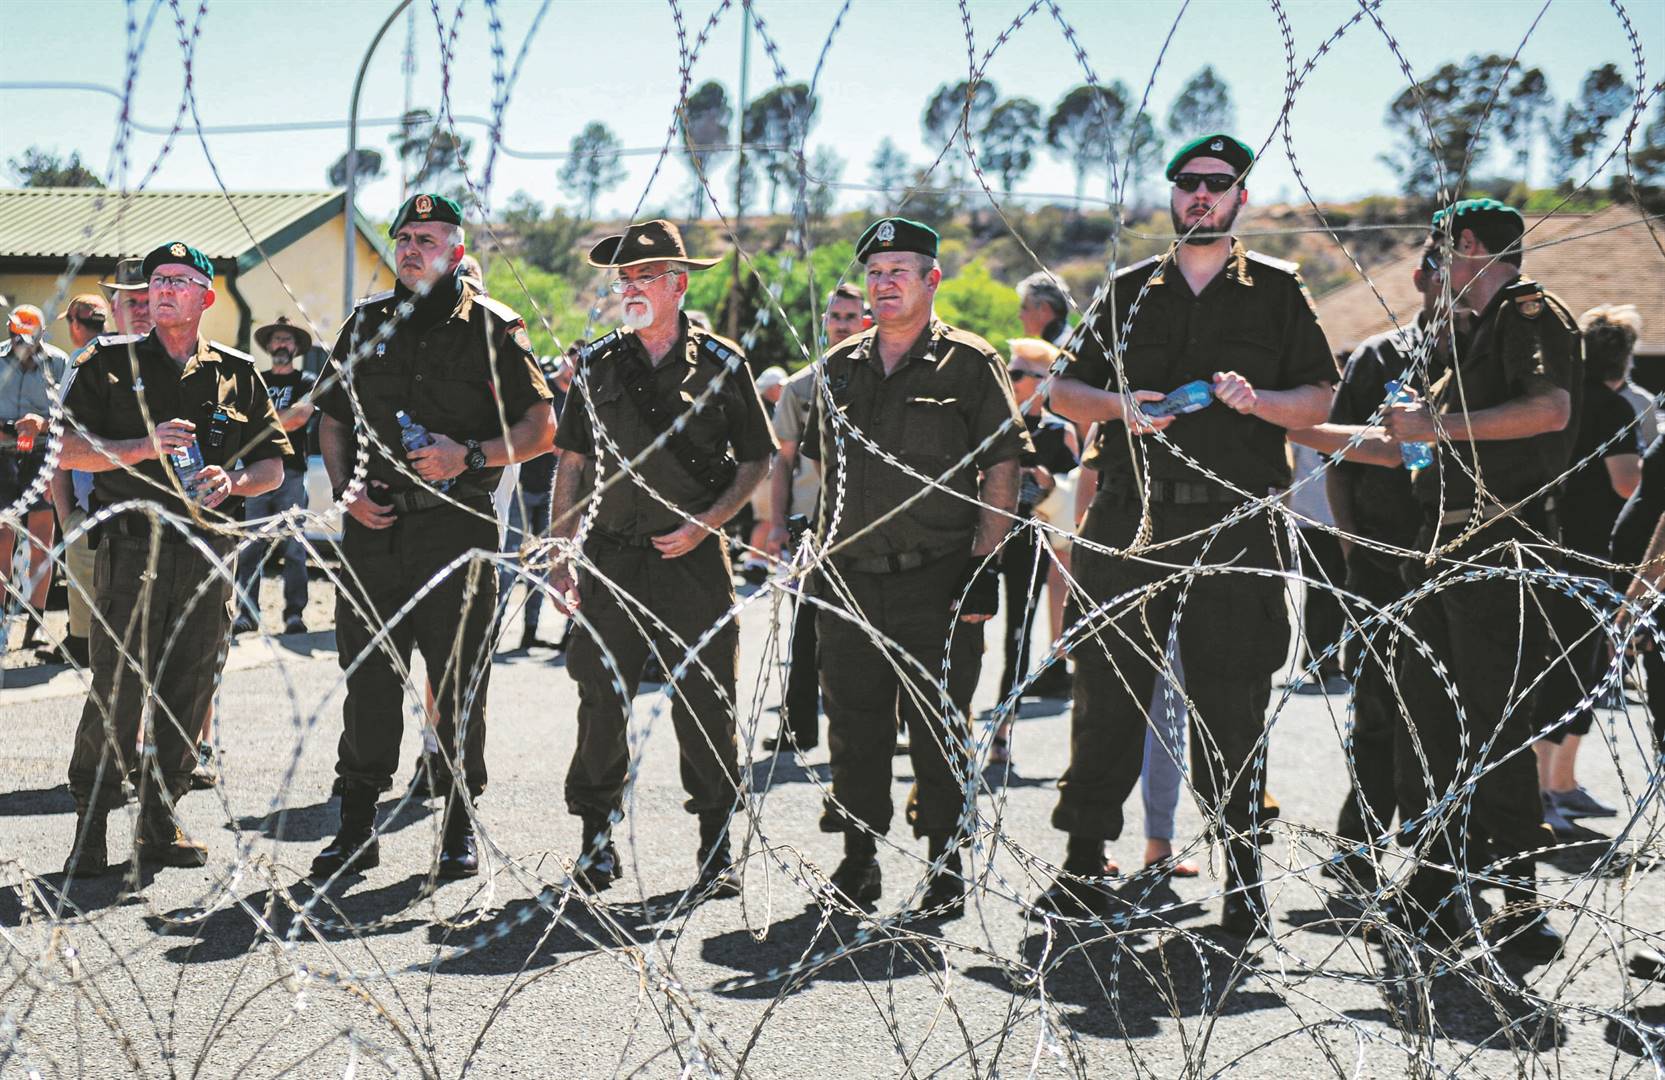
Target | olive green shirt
(729,422)
(1525,340)
(1254,318)
(946,411)
(469,375)
(125,385)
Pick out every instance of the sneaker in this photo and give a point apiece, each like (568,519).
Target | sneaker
(294,624)
(206,774)
(244,625)
(1558,823)
(1579,803)
(1054,683)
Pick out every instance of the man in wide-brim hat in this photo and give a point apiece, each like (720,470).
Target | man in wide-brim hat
(655,542)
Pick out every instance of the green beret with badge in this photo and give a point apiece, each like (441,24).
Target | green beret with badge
(1497,224)
(424,206)
(897,234)
(183,254)
(1220,145)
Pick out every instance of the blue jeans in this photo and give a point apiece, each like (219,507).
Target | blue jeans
(537,513)
(290,493)
(1164,768)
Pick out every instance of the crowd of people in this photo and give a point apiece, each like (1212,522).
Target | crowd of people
(1133,473)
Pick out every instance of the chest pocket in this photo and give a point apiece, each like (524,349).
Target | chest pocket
(707,426)
(934,427)
(1146,356)
(455,382)
(1250,347)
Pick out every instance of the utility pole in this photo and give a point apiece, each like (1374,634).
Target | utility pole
(740,168)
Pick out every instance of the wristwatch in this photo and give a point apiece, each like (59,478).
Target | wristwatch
(476,459)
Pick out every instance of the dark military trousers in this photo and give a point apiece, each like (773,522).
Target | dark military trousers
(1023,569)
(451,624)
(1368,809)
(1233,633)
(631,587)
(159,636)
(1490,638)
(869,688)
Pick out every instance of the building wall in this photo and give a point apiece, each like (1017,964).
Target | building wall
(310,267)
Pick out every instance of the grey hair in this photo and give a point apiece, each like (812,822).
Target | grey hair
(1047,289)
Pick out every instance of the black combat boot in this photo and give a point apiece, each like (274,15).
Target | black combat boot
(598,860)
(1523,929)
(161,841)
(945,891)
(89,854)
(1079,893)
(857,877)
(459,856)
(1244,914)
(718,877)
(356,848)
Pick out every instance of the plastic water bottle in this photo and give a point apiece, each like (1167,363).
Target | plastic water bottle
(413,436)
(1415,455)
(187,463)
(1194,395)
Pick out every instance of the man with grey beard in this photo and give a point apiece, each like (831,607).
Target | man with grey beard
(656,579)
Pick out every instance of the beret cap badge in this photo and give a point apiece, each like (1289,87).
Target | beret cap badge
(177,249)
(424,205)
(886,233)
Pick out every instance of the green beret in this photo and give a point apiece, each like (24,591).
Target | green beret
(426,207)
(176,252)
(1222,146)
(896,234)
(1477,214)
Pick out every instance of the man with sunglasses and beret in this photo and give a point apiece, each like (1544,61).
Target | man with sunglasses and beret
(436,353)
(163,588)
(662,440)
(908,528)
(1207,310)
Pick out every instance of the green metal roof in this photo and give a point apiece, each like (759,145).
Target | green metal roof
(100,225)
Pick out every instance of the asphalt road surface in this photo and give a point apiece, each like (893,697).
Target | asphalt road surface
(243,969)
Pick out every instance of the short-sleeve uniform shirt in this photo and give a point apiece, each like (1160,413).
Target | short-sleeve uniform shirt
(123,378)
(946,411)
(702,379)
(1587,505)
(1525,340)
(1254,318)
(468,374)
(32,391)
(1384,506)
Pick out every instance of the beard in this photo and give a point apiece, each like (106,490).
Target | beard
(1204,236)
(281,355)
(641,316)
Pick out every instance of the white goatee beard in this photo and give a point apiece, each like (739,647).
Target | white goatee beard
(634,321)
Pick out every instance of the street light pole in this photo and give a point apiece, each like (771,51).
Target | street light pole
(740,170)
(352,164)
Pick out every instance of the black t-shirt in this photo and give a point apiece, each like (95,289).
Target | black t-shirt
(1640,515)
(1384,506)
(288,389)
(1587,505)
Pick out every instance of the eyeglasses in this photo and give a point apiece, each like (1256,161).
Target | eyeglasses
(621,284)
(175,281)
(1431,262)
(1019,373)
(1216,182)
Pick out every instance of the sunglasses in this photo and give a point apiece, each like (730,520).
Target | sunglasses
(1017,373)
(1431,263)
(1215,182)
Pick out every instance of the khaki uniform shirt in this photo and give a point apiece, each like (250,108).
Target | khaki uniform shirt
(730,421)
(1254,318)
(1525,340)
(933,413)
(126,385)
(470,375)
(33,391)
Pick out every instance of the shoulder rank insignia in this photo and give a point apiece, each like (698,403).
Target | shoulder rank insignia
(377,297)
(1530,307)
(522,338)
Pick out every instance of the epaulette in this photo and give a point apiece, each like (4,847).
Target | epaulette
(104,341)
(227,350)
(1527,296)
(375,299)
(966,337)
(721,349)
(1285,265)
(595,347)
(497,307)
(1140,265)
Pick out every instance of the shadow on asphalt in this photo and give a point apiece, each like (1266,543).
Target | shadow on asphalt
(31,802)
(528,934)
(1643,1036)
(784,769)
(303,824)
(338,915)
(802,951)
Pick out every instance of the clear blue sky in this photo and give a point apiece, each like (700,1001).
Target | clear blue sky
(617,61)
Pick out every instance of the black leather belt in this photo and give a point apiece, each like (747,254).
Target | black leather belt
(895,564)
(418,499)
(607,536)
(137,527)
(1191,493)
